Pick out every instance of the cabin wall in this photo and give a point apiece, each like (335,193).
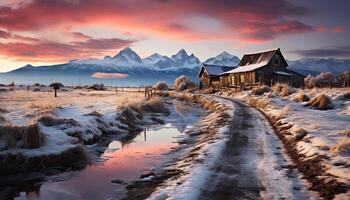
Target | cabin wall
(205,79)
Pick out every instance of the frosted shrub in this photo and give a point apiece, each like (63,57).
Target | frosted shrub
(183,83)
(310,81)
(325,78)
(161,85)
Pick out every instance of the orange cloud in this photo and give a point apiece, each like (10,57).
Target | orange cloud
(109,75)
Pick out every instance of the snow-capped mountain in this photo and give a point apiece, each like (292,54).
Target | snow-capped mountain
(314,66)
(183,59)
(159,62)
(160,67)
(127,57)
(224,59)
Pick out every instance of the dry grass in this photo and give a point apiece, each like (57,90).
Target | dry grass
(209,90)
(301,97)
(28,137)
(283,113)
(277,88)
(258,103)
(343,147)
(321,102)
(260,90)
(3,110)
(298,133)
(345,132)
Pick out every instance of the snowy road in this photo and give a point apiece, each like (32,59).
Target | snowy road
(252,164)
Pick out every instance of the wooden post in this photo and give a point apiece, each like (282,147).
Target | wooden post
(116,90)
(55,92)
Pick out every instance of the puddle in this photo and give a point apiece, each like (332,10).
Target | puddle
(122,161)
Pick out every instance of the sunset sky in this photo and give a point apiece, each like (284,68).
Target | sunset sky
(55,31)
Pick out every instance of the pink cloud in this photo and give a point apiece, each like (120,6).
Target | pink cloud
(338,29)
(166,18)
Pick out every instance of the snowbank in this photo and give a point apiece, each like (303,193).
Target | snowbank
(319,139)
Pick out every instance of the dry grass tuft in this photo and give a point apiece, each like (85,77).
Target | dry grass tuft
(283,113)
(270,95)
(260,90)
(28,137)
(345,132)
(209,90)
(277,88)
(301,97)
(258,103)
(321,102)
(50,120)
(299,133)
(343,147)
(3,110)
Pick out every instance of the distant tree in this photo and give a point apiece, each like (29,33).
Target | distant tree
(56,86)
(344,79)
(310,81)
(325,79)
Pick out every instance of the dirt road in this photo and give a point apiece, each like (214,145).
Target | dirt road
(253,164)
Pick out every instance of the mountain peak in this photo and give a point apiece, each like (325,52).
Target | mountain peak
(224,59)
(127,56)
(181,53)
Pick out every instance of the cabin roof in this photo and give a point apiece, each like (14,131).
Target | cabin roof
(247,68)
(253,61)
(257,58)
(214,70)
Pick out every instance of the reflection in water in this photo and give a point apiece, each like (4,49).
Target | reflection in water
(124,160)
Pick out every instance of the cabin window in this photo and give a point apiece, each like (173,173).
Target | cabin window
(276,61)
(232,80)
(242,78)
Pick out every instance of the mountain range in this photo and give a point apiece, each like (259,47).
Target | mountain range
(158,66)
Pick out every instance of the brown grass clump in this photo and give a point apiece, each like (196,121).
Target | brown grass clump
(343,147)
(260,90)
(3,110)
(28,137)
(209,90)
(50,120)
(286,91)
(299,133)
(301,97)
(277,88)
(154,105)
(258,103)
(283,113)
(321,102)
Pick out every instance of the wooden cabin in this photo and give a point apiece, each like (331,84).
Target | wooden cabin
(267,67)
(209,75)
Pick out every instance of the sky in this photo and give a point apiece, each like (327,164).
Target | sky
(44,32)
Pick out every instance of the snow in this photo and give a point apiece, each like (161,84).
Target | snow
(26,107)
(246,68)
(325,129)
(262,159)
(215,70)
(282,73)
